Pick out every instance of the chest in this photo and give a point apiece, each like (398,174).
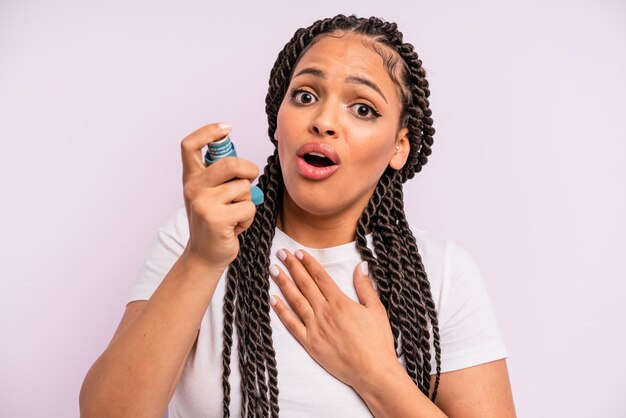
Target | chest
(306,389)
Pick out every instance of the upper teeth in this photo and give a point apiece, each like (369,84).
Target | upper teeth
(317,154)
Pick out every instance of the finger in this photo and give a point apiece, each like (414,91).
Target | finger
(320,276)
(303,280)
(364,287)
(192,144)
(293,294)
(246,222)
(290,320)
(228,168)
(242,214)
(234,191)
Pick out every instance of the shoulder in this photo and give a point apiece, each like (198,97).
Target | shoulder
(430,245)
(440,249)
(449,266)
(468,327)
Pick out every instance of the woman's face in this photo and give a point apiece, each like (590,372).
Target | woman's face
(341,97)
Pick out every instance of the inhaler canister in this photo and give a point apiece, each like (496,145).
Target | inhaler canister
(226,148)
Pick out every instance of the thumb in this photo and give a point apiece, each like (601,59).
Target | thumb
(363,285)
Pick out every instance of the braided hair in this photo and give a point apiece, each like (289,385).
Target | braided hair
(397,267)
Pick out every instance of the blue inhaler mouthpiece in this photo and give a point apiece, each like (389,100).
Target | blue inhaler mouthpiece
(226,148)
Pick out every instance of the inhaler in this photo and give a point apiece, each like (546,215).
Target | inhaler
(226,148)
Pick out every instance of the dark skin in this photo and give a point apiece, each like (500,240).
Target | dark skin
(331,108)
(352,339)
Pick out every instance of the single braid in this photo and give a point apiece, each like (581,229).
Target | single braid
(423,305)
(403,304)
(260,347)
(383,234)
(395,262)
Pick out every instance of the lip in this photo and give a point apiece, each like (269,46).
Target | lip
(314,173)
(323,149)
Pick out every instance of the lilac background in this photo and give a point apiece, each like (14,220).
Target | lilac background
(527,170)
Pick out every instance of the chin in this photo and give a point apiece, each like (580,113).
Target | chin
(316,202)
(323,202)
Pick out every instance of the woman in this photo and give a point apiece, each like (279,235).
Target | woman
(349,116)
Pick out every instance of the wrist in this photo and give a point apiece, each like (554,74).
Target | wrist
(200,264)
(370,385)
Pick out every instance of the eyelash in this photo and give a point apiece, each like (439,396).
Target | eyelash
(375,114)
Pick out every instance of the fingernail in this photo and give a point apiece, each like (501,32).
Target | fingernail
(363,268)
(273,300)
(225,126)
(281,254)
(299,255)
(274,270)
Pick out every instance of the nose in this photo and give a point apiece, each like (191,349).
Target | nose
(325,121)
(329,132)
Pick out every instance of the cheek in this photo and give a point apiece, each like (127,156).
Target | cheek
(374,149)
(371,159)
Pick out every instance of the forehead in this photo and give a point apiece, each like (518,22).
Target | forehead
(348,54)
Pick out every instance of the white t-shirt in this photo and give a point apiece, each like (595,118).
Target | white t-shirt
(467,325)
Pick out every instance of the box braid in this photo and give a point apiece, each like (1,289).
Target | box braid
(397,267)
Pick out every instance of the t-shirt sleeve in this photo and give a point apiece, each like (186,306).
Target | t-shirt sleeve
(468,329)
(167,247)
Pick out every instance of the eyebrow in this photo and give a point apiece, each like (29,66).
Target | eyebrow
(351,79)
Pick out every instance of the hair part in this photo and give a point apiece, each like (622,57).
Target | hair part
(395,262)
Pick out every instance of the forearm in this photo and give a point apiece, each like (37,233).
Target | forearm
(134,375)
(394,394)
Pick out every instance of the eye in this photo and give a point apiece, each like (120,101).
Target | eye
(304,96)
(364,110)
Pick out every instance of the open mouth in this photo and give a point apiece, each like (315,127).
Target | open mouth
(317,160)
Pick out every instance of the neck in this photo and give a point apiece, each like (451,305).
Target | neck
(318,231)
